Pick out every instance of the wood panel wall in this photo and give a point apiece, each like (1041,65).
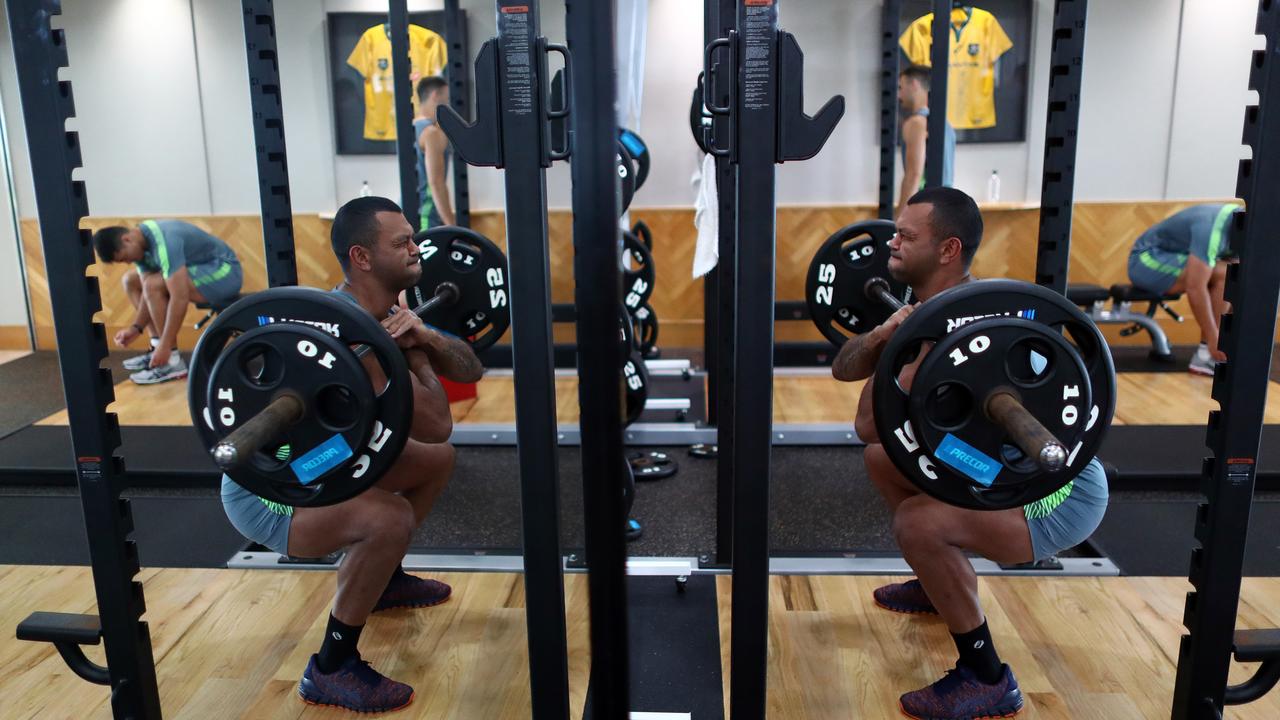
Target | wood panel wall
(1103,233)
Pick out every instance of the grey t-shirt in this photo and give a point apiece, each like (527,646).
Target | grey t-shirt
(1200,230)
(174,244)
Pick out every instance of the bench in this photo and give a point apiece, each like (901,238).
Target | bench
(213,309)
(1093,299)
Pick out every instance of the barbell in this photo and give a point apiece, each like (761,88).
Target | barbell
(1014,397)
(279,393)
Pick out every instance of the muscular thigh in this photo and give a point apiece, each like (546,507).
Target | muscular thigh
(318,531)
(419,464)
(998,535)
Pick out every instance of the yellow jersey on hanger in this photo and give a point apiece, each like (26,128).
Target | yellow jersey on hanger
(977,41)
(371,57)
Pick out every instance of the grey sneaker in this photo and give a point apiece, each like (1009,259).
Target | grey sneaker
(175,370)
(138,362)
(1201,363)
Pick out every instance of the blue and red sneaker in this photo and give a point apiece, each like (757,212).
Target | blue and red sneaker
(960,695)
(907,597)
(354,686)
(408,591)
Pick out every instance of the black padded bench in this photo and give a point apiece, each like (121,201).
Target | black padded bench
(1094,300)
(213,309)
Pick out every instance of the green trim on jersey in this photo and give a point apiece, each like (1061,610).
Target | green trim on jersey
(162,252)
(1215,235)
(1044,508)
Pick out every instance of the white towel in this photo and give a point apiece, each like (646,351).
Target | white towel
(706,218)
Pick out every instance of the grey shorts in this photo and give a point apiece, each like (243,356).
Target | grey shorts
(218,281)
(254,519)
(1075,517)
(1156,270)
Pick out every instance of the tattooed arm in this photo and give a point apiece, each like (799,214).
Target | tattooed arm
(858,356)
(451,357)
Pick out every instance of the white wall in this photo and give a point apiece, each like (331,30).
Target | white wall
(1204,151)
(165,121)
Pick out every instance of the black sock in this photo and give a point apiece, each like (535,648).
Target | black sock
(339,645)
(978,652)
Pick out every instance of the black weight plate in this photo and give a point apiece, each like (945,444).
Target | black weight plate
(652,465)
(335,389)
(835,286)
(626,178)
(972,301)
(643,232)
(391,411)
(645,330)
(699,118)
(946,410)
(636,378)
(637,272)
(639,152)
(471,261)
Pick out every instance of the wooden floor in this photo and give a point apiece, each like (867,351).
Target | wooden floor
(232,643)
(1143,399)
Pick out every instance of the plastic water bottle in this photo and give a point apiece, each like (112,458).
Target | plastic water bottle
(993,187)
(365,190)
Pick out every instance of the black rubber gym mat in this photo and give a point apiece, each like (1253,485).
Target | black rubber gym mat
(821,502)
(1156,537)
(170,531)
(1168,457)
(162,456)
(1137,358)
(674,643)
(32,390)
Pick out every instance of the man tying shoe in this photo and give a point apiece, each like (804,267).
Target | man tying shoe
(1188,252)
(176,263)
(938,234)
(374,245)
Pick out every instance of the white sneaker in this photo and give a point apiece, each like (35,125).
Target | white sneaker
(175,370)
(138,362)
(1202,362)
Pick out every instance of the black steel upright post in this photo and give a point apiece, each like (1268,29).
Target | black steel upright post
(1057,189)
(1240,387)
(592,88)
(511,131)
(39,52)
(716,85)
(711,281)
(455,34)
(889,61)
(756,124)
(766,125)
(406,143)
(267,105)
(940,60)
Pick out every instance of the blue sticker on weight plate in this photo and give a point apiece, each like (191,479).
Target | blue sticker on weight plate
(321,459)
(968,460)
(631,142)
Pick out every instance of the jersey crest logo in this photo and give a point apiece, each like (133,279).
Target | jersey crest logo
(382,62)
(973,48)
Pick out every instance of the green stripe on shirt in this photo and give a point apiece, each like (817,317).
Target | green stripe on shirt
(1215,235)
(162,252)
